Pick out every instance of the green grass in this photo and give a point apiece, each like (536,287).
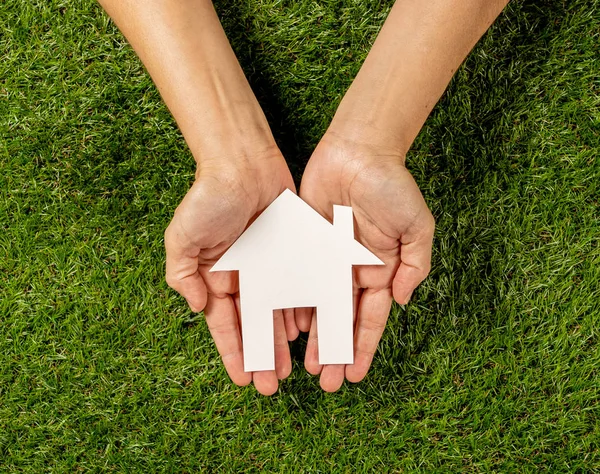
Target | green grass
(494,366)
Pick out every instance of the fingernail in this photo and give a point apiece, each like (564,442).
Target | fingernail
(407,299)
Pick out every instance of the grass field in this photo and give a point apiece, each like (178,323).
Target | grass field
(494,365)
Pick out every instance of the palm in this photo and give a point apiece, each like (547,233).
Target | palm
(392,220)
(213,214)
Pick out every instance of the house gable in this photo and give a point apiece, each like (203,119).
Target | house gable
(289,225)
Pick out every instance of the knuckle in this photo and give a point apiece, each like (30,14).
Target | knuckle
(369,352)
(374,325)
(172,281)
(430,223)
(425,272)
(218,328)
(168,235)
(227,356)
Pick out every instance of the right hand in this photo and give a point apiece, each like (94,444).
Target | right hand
(225,197)
(391,219)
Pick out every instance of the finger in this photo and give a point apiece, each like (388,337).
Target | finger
(332,377)
(356,295)
(266,382)
(283,360)
(222,321)
(311,356)
(236,302)
(373,311)
(182,271)
(303,318)
(291,329)
(415,261)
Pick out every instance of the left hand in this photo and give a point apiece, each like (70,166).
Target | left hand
(227,195)
(392,221)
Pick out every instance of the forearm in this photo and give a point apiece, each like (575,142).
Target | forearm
(184,48)
(418,50)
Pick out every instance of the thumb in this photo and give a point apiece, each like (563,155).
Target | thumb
(415,261)
(182,273)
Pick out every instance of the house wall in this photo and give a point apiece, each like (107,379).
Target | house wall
(257,326)
(335,320)
(328,289)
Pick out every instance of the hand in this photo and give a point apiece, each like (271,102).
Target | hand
(221,203)
(392,220)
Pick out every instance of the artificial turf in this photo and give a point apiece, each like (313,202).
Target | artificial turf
(494,365)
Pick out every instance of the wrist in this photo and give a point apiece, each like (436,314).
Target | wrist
(229,125)
(229,143)
(371,137)
(255,173)
(250,160)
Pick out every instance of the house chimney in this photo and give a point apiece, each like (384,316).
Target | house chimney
(343,221)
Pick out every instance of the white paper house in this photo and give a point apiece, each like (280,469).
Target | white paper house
(292,257)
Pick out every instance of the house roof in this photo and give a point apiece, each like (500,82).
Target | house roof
(289,226)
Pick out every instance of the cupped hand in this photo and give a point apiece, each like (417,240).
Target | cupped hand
(225,197)
(392,220)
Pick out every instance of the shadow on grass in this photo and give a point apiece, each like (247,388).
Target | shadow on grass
(463,145)
(466,149)
(288,108)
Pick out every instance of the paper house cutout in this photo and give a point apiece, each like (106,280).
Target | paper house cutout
(292,257)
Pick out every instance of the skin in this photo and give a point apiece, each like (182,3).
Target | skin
(359,162)
(240,169)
